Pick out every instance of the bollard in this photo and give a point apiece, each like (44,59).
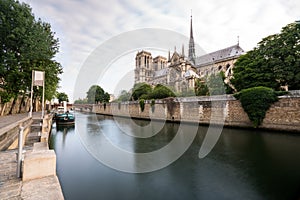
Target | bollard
(20,151)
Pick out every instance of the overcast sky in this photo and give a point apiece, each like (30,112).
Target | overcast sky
(83,25)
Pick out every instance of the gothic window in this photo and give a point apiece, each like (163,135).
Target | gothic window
(220,67)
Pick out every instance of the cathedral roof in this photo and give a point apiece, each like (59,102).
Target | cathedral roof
(219,55)
(162,72)
(190,74)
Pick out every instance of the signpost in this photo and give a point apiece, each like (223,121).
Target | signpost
(38,79)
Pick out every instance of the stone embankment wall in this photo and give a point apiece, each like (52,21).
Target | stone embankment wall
(9,135)
(21,105)
(225,109)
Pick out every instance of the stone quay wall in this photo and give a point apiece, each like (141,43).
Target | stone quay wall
(9,134)
(283,115)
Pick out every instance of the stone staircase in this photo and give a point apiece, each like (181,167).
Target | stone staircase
(35,133)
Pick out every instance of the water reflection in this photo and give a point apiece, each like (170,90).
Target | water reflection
(244,164)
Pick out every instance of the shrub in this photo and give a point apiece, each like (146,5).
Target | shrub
(161,92)
(140,89)
(256,101)
(142,104)
(152,105)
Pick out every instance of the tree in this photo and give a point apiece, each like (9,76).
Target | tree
(274,63)
(81,101)
(256,101)
(61,96)
(161,92)
(26,44)
(201,88)
(97,95)
(215,84)
(140,89)
(124,96)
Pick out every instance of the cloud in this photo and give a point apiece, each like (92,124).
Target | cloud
(82,26)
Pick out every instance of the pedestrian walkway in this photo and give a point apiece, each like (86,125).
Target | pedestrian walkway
(13,188)
(10,119)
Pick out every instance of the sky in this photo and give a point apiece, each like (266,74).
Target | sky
(85,26)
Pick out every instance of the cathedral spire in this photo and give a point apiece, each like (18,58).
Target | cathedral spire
(191,30)
(191,45)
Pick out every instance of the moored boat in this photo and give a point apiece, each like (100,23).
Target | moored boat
(63,116)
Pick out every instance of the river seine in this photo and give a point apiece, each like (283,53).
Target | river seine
(244,164)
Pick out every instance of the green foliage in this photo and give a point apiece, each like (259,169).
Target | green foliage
(142,104)
(26,44)
(152,105)
(186,93)
(215,84)
(5,97)
(256,101)
(275,62)
(212,85)
(124,96)
(250,71)
(140,89)
(97,95)
(161,92)
(81,101)
(201,88)
(61,96)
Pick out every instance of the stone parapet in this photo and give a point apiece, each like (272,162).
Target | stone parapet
(283,115)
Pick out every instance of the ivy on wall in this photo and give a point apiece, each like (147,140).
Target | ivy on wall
(256,101)
(142,104)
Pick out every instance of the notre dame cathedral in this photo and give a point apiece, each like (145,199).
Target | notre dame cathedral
(178,71)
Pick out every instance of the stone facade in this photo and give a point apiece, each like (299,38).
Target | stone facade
(283,115)
(179,72)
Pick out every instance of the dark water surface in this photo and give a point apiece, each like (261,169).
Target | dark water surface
(244,164)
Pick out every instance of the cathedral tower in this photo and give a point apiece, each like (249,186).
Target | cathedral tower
(144,67)
(191,55)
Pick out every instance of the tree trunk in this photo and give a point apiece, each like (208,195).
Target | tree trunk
(21,104)
(12,106)
(3,109)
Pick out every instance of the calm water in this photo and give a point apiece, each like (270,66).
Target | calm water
(244,164)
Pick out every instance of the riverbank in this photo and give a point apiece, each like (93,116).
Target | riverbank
(224,110)
(12,187)
(39,180)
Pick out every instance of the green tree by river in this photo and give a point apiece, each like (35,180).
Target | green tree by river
(27,44)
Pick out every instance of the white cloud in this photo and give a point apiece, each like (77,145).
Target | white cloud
(83,25)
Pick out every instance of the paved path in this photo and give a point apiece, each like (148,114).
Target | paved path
(12,188)
(10,119)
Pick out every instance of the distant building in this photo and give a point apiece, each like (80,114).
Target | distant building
(178,71)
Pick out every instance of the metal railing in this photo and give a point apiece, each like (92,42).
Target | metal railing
(20,149)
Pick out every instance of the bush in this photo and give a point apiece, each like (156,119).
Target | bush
(140,89)
(161,92)
(256,101)
(142,104)
(152,105)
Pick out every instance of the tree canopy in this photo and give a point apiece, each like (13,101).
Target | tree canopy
(97,95)
(161,92)
(26,44)
(124,96)
(61,96)
(274,63)
(140,89)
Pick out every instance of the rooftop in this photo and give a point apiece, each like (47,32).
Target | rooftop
(219,55)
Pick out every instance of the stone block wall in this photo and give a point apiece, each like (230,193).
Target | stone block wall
(283,115)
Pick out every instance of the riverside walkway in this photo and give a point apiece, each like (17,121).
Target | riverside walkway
(12,187)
